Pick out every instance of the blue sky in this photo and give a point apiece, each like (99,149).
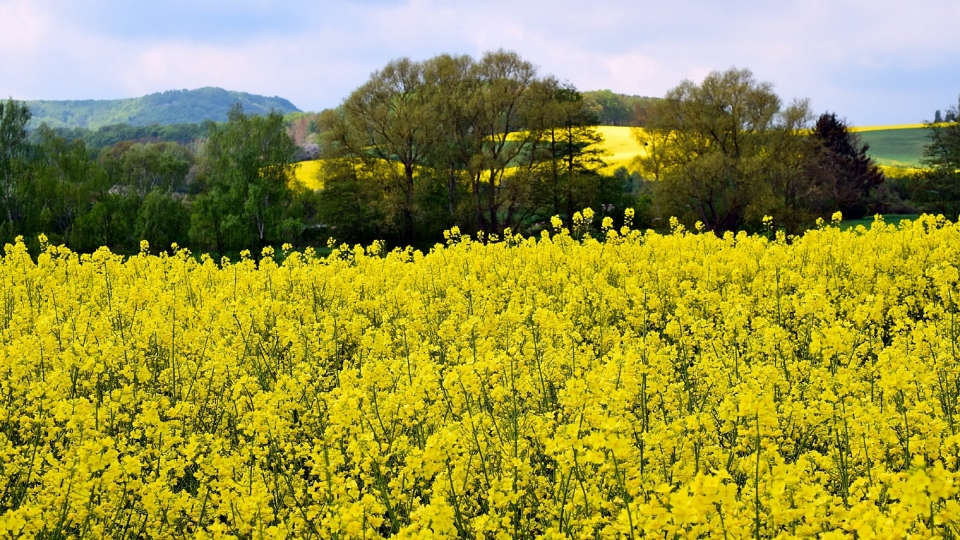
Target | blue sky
(872,62)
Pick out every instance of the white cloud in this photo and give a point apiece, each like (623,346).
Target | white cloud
(23,27)
(874,62)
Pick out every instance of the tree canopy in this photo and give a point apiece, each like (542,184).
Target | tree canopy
(724,149)
(483,144)
(247,170)
(844,170)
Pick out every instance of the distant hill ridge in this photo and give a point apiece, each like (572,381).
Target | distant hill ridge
(170,107)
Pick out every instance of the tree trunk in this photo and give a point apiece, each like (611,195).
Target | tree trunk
(408,205)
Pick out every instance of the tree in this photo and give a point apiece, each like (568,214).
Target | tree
(845,171)
(247,170)
(611,108)
(570,158)
(146,167)
(719,149)
(619,109)
(454,96)
(388,120)
(506,135)
(943,152)
(162,219)
(14,116)
(65,185)
(348,209)
(482,144)
(109,221)
(938,188)
(937,118)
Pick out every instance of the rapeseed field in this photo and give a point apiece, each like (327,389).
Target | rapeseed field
(621,385)
(619,145)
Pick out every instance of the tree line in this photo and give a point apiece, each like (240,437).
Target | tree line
(484,144)
(487,144)
(106,136)
(936,189)
(234,192)
(728,152)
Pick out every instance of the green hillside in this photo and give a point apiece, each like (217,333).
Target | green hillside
(897,147)
(170,107)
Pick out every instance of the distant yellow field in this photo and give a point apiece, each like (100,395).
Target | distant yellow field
(621,149)
(308,172)
(862,129)
(618,141)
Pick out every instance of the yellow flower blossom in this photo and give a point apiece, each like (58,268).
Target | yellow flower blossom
(633,384)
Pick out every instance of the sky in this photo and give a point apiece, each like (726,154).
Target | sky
(873,62)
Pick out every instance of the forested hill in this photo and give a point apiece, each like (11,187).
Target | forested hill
(170,107)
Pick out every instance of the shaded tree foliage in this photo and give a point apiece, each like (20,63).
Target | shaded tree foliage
(349,210)
(388,120)
(106,136)
(71,185)
(943,152)
(14,117)
(246,170)
(614,109)
(846,173)
(570,157)
(725,150)
(483,144)
(162,219)
(143,168)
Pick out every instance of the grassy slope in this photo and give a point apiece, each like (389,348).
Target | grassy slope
(895,146)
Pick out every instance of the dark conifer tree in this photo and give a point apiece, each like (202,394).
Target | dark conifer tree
(849,173)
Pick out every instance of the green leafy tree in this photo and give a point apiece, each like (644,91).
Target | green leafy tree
(162,219)
(483,144)
(938,189)
(943,152)
(454,96)
(71,183)
(719,149)
(350,208)
(143,168)
(388,120)
(109,221)
(611,109)
(614,109)
(247,171)
(507,103)
(570,156)
(14,116)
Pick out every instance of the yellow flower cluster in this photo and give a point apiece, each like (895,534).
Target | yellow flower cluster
(680,385)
